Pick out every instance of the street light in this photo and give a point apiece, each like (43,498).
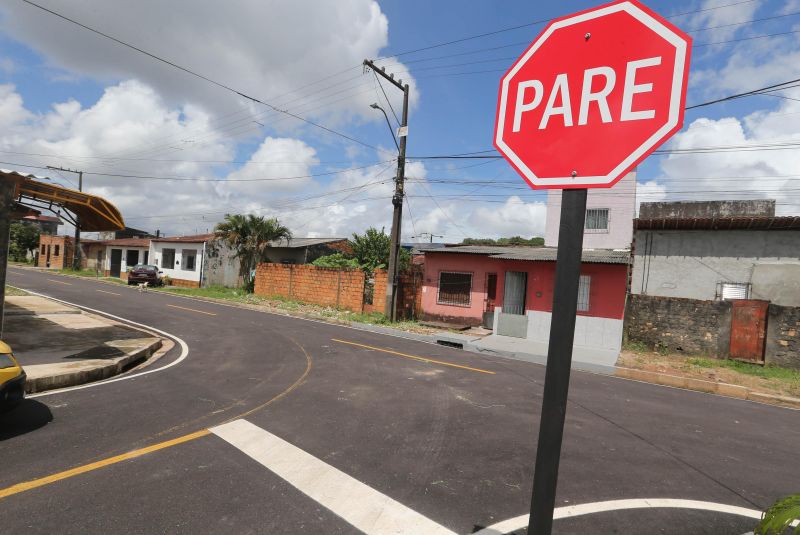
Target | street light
(375,106)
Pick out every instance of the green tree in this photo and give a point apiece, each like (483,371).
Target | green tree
(514,240)
(249,236)
(371,249)
(24,239)
(336,260)
(780,517)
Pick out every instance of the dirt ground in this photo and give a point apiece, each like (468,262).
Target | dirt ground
(787,384)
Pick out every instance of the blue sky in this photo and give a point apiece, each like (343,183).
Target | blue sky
(120,113)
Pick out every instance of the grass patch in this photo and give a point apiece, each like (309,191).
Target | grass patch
(15,291)
(79,272)
(637,346)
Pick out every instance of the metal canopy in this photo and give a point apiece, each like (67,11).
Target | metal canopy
(95,213)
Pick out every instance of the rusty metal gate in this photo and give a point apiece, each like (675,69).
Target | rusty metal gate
(749,329)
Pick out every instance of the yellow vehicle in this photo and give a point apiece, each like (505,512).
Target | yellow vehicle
(12,379)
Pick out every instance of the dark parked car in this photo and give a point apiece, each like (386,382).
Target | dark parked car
(145,273)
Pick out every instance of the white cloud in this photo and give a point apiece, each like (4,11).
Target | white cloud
(264,49)
(739,173)
(722,20)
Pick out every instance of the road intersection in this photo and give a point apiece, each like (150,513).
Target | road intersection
(387,430)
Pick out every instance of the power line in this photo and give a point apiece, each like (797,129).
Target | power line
(201,76)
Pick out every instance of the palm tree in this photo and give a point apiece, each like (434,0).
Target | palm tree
(249,236)
(783,515)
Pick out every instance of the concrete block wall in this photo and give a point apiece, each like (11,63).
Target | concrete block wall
(683,325)
(783,336)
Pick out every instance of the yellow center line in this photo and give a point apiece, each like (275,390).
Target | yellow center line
(60,282)
(105,292)
(28,485)
(414,357)
(193,310)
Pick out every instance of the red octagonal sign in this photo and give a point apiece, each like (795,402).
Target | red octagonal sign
(593,95)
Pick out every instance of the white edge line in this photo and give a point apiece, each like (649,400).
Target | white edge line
(570,511)
(183,355)
(363,507)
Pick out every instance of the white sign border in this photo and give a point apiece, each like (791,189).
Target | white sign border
(675,97)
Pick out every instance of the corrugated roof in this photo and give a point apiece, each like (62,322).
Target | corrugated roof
(720,223)
(548,254)
(197,238)
(296,243)
(472,249)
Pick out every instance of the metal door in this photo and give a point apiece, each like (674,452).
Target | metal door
(116,262)
(748,329)
(516,284)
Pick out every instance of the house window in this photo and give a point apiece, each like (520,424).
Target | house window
(454,288)
(584,284)
(146,257)
(189,256)
(734,290)
(55,253)
(168,258)
(596,220)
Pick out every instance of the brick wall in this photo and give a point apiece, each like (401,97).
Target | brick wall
(381,279)
(341,288)
(679,325)
(783,336)
(64,256)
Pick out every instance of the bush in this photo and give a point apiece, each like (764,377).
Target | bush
(336,260)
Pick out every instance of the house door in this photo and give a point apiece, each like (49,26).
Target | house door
(514,294)
(47,258)
(116,262)
(748,329)
(491,296)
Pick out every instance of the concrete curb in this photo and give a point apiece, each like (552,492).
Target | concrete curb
(103,370)
(710,387)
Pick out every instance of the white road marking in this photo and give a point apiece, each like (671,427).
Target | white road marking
(507,526)
(360,505)
(181,357)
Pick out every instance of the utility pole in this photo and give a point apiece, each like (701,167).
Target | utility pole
(397,198)
(76,256)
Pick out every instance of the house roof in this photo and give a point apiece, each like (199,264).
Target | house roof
(720,223)
(197,238)
(43,218)
(472,249)
(535,254)
(296,243)
(129,242)
(548,254)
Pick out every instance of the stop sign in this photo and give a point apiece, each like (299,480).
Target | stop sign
(594,94)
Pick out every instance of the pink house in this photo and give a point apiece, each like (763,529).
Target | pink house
(510,289)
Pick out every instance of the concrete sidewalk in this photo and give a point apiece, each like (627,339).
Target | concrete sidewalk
(61,346)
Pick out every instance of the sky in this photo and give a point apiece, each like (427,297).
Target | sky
(176,153)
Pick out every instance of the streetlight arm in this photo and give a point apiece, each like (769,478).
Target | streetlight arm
(388,122)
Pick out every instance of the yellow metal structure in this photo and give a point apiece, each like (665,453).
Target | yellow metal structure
(95,212)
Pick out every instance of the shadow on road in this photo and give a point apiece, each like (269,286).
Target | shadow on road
(29,416)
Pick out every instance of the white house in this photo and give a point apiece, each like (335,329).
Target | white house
(609,215)
(181,258)
(122,254)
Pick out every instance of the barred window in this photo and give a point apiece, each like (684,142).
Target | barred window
(584,284)
(597,220)
(734,290)
(454,288)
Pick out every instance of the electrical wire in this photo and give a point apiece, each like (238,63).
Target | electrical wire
(201,76)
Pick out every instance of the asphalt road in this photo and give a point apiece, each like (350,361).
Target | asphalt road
(345,424)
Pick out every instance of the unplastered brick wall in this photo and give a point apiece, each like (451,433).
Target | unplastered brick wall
(340,288)
(783,336)
(678,325)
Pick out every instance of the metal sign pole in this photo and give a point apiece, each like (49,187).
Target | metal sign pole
(559,360)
